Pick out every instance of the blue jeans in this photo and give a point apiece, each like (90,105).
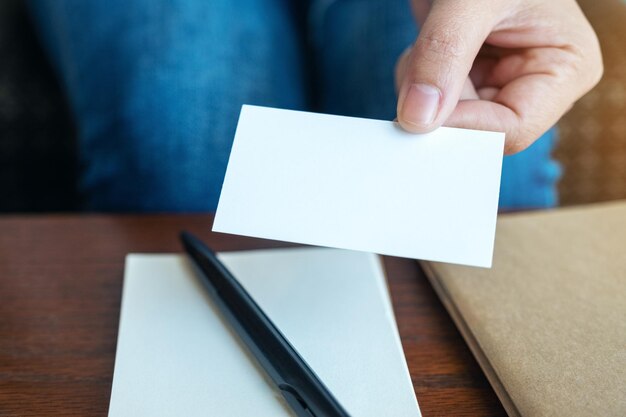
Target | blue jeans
(156,87)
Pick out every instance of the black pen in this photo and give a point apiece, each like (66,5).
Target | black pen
(303,390)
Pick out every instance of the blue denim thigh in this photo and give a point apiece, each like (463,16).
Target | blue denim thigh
(357,43)
(156,89)
(529,178)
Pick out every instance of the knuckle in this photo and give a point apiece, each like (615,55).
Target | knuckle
(596,73)
(589,69)
(594,55)
(441,45)
(515,145)
(588,65)
(520,138)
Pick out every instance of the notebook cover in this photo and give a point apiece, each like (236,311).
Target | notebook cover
(548,322)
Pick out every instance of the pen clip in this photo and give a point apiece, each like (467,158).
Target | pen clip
(296,402)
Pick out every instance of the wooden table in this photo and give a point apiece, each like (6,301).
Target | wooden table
(60,287)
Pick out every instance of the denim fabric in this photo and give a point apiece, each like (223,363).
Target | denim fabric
(156,87)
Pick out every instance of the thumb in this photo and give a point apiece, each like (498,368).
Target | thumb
(439,62)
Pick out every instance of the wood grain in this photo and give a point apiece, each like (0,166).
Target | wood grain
(60,287)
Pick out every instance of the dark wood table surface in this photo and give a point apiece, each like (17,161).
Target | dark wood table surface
(60,287)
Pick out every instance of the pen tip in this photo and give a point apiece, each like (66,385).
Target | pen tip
(185,236)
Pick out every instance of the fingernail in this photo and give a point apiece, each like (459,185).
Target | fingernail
(421,104)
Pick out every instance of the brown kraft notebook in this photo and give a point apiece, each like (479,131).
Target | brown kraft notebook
(548,322)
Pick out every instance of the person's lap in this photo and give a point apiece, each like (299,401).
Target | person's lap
(157,87)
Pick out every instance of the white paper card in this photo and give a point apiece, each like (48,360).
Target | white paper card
(176,357)
(363,184)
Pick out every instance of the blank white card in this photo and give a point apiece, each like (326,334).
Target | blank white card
(364,185)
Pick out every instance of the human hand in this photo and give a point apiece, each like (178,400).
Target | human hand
(514,66)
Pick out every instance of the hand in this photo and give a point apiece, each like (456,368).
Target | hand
(514,66)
